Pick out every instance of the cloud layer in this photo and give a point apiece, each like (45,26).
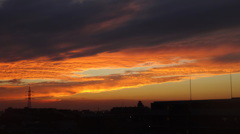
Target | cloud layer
(49,43)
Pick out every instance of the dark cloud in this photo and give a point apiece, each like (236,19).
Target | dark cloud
(13,81)
(173,20)
(31,29)
(228,58)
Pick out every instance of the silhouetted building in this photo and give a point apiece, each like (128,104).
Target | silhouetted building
(140,104)
(140,109)
(198,116)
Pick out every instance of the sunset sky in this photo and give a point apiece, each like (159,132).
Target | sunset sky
(85,54)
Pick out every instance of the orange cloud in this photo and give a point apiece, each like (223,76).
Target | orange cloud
(72,86)
(167,62)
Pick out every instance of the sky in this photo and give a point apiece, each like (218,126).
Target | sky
(91,54)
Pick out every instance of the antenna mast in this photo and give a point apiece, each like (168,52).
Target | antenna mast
(231,85)
(29,105)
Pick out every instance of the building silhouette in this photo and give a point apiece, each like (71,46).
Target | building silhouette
(164,117)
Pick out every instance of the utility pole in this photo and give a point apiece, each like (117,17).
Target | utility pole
(29,105)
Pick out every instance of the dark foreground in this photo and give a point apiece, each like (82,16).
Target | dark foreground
(173,117)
